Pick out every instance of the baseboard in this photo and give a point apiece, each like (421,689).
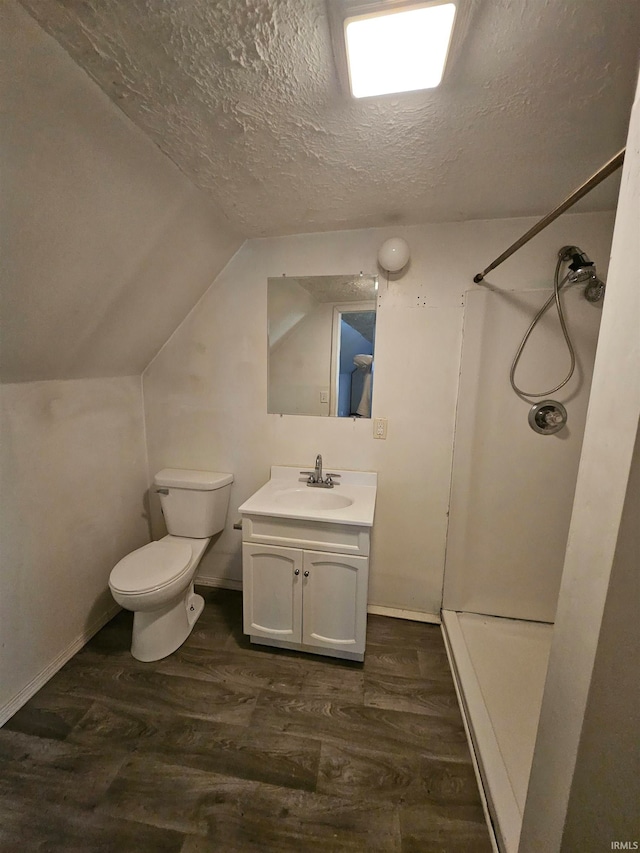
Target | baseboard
(221,583)
(395,613)
(7,711)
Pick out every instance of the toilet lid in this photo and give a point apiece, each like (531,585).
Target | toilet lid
(151,567)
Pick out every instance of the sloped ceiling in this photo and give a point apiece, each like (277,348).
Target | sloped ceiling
(244,97)
(106,245)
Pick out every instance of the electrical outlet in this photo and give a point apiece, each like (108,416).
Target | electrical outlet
(324,396)
(379,427)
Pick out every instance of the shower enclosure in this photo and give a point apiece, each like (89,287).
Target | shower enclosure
(511,500)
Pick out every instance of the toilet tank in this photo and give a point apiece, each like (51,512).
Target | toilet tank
(194,503)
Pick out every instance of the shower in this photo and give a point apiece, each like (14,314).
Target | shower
(581,270)
(510,504)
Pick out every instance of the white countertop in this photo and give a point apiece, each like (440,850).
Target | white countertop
(284,496)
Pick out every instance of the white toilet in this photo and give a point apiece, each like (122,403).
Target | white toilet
(156,581)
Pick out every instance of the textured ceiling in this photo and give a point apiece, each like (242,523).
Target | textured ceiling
(244,97)
(338,288)
(345,288)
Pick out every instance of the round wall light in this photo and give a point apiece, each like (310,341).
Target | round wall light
(394,254)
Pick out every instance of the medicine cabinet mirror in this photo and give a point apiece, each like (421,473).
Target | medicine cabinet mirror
(321,332)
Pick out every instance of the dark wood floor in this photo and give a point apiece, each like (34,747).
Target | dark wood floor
(226,747)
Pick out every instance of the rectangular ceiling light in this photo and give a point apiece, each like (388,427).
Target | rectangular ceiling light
(400,50)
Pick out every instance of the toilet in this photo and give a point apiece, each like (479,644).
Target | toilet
(156,581)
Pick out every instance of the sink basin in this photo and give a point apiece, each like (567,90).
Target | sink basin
(286,495)
(308,498)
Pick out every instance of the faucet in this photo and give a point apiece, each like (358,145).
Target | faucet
(315,477)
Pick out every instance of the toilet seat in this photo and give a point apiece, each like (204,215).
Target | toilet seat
(151,567)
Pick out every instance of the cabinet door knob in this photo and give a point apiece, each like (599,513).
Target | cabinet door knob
(306,574)
(297,572)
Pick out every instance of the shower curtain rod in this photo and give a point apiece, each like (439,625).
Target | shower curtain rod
(575,196)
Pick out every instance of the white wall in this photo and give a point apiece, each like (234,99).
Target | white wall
(583,792)
(288,303)
(300,364)
(73,473)
(106,245)
(608,748)
(206,395)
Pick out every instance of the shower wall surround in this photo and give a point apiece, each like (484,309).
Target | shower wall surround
(205,393)
(509,482)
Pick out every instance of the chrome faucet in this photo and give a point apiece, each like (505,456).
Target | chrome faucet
(315,477)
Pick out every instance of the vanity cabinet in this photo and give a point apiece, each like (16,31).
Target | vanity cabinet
(305,562)
(304,599)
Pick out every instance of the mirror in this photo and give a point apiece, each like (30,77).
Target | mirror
(321,332)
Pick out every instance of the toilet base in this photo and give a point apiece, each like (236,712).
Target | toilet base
(158,633)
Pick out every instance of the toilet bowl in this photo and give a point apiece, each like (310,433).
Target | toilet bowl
(156,581)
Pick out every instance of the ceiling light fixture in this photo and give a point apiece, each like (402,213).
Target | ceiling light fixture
(401,49)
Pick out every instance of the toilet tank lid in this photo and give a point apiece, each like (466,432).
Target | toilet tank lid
(183,478)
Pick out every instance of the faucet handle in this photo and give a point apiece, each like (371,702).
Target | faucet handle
(310,474)
(333,475)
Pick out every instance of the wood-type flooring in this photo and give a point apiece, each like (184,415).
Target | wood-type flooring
(226,747)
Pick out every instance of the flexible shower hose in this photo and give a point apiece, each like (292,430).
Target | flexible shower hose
(557,287)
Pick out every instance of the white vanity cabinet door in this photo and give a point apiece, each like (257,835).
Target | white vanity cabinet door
(272,592)
(334,601)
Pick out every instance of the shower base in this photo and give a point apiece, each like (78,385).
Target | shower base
(499,666)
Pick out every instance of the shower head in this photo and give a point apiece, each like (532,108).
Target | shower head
(594,289)
(582,269)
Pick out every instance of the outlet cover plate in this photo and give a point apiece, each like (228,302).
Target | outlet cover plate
(379,427)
